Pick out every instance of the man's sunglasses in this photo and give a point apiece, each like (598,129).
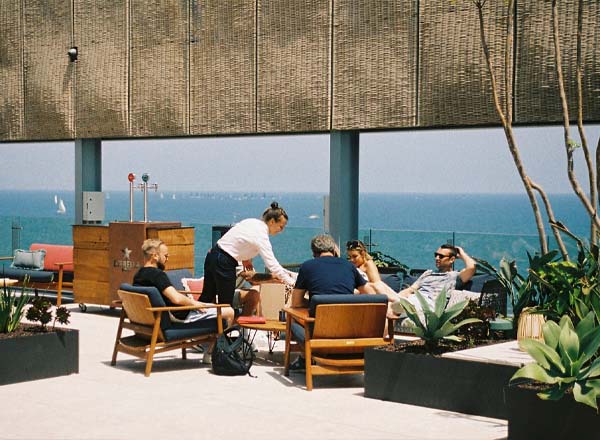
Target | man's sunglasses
(441,256)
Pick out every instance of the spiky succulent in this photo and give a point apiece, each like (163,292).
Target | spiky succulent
(565,360)
(433,325)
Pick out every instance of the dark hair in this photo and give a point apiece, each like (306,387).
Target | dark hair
(274,212)
(452,249)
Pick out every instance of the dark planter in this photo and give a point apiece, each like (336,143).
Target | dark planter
(39,356)
(530,417)
(435,382)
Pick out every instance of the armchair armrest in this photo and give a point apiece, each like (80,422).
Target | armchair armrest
(181,308)
(299,314)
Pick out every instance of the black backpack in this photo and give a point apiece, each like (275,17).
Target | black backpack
(232,354)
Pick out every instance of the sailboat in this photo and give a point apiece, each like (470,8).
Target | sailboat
(55,199)
(61,207)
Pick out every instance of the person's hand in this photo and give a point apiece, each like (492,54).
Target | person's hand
(459,251)
(248,266)
(247,274)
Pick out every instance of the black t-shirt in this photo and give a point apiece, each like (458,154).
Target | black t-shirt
(154,277)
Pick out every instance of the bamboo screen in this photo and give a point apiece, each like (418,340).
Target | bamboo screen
(11,71)
(375,64)
(159,68)
(454,85)
(219,67)
(536,79)
(102,69)
(222,72)
(293,65)
(48,76)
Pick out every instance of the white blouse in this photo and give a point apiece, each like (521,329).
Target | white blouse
(250,238)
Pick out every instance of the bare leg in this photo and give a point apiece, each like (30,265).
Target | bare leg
(249,300)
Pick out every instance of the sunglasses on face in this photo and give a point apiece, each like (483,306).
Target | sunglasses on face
(440,256)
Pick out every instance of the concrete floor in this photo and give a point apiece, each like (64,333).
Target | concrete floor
(183,399)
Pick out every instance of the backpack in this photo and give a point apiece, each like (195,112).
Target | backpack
(232,355)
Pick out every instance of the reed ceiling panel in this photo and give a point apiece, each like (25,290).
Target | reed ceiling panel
(48,73)
(375,64)
(454,84)
(223,67)
(537,96)
(293,65)
(159,68)
(11,71)
(102,67)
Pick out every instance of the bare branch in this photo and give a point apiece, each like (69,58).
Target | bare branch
(551,219)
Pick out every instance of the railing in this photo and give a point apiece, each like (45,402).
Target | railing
(413,248)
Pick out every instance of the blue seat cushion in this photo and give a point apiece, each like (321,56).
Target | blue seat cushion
(35,276)
(175,276)
(393,280)
(189,330)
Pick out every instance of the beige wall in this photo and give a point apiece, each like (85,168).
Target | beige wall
(212,67)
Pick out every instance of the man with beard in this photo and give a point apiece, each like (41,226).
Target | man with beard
(152,274)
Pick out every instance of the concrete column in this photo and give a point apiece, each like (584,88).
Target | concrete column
(88,171)
(343,186)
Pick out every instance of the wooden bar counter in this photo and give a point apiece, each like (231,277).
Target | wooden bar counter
(107,255)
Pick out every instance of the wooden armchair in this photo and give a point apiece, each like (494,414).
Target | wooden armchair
(334,332)
(144,312)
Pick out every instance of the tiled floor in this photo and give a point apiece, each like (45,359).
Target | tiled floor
(183,399)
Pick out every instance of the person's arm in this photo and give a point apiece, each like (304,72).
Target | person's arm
(405,293)
(180,299)
(467,273)
(248,266)
(366,288)
(298,300)
(266,252)
(372,271)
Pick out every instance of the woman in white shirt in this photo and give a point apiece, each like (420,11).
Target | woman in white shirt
(242,242)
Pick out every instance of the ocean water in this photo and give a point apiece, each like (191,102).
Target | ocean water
(408,227)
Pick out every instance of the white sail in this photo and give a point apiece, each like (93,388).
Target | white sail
(55,199)
(61,207)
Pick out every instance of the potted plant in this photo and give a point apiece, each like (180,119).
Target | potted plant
(417,373)
(34,351)
(561,387)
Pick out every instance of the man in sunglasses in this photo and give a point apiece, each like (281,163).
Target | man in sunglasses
(431,283)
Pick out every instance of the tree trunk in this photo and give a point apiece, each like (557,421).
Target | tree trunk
(507,125)
(566,125)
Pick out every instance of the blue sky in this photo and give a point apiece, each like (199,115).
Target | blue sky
(432,161)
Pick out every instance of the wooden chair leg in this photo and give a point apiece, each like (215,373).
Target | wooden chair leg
(59,287)
(288,336)
(183,353)
(308,365)
(150,355)
(118,338)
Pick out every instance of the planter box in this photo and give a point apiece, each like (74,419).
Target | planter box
(530,417)
(39,356)
(457,385)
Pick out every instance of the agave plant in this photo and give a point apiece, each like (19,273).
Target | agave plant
(436,324)
(11,308)
(564,360)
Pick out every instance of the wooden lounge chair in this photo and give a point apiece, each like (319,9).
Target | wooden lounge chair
(333,333)
(144,312)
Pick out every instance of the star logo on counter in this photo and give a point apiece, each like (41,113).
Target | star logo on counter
(126,253)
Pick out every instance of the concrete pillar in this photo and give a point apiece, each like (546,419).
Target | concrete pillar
(343,186)
(88,171)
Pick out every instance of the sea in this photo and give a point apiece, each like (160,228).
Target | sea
(407,227)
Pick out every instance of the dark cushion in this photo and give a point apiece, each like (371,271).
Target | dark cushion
(156,300)
(394,281)
(409,280)
(197,328)
(175,276)
(35,276)
(317,300)
(475,284)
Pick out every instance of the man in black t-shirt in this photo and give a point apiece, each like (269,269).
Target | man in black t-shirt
(152,274)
